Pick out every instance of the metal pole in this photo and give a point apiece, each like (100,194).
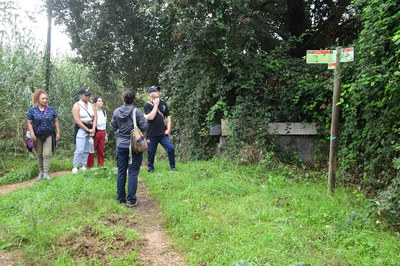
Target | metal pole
(48,49)
(334,124)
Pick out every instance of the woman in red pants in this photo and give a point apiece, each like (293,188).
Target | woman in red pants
(100,137)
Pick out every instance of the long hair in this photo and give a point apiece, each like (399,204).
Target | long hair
(36,96)
(95,98)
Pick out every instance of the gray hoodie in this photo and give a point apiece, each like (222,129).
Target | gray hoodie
(122,122)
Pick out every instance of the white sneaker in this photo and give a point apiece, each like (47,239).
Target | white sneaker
(46,176)
(40,176)
(74,170)
(83,168)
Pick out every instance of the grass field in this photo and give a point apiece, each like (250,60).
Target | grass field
(216,212)
(223,214)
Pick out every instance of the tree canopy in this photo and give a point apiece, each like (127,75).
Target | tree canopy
(137,38)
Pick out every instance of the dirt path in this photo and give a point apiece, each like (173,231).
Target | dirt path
(9,188)
(156,249)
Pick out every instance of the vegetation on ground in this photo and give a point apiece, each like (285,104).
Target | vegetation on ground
(25,168)
(69,220)
(217,213)
(220,213)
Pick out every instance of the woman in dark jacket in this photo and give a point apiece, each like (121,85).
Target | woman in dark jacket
(122,122)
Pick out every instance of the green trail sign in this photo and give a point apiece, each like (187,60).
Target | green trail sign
(320,56)
(346,55)
(329,56)
(334,59)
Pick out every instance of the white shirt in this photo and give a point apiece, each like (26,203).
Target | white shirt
(101,120)
(84,113)
(84,116)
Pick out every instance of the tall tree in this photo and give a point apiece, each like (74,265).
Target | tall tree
(120,38)
(136,38)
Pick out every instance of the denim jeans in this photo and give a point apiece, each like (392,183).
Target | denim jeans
(166,142)
(133,172)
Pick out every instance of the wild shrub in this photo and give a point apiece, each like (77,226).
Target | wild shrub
(369,143)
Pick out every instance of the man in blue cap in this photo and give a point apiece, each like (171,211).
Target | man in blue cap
(157,113)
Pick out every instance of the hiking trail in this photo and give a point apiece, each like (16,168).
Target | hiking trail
(156,249)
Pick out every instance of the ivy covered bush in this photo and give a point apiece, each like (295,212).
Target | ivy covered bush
(370,142)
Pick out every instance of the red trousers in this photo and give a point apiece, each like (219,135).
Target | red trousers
(99,142)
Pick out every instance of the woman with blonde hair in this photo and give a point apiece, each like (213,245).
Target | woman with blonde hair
(42,121)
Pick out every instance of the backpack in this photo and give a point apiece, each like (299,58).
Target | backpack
(138,140)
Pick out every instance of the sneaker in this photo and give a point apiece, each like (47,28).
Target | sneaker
(131,204)
(74,170)
(46,176)
(40,176)
(83,168)
(151,171)
(172,169)
(93,169)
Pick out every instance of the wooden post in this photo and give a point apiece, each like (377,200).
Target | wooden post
(334,125)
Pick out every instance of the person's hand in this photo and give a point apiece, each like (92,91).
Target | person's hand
(156,101)
(58,136)
(106,138)
(33,137)
(91,132)
(167,132)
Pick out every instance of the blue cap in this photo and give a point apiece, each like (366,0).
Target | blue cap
(153,89)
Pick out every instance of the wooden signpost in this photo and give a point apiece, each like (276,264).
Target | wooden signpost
(333,58)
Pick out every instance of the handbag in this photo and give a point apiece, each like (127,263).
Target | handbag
(30,145)
(138,140)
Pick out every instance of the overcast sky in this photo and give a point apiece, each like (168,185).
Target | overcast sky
(60,41)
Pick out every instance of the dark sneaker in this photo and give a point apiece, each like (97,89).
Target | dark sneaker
(172,169)
(151,171)
(131,204)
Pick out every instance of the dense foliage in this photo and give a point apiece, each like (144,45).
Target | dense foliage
(137,38)
(370,143)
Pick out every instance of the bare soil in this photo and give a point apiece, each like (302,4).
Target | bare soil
(154,247)
(157,249)
(9,188)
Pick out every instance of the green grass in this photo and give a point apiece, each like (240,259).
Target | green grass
(222,214)
(217,213)
(69,220)
(25,168)
(21,169)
